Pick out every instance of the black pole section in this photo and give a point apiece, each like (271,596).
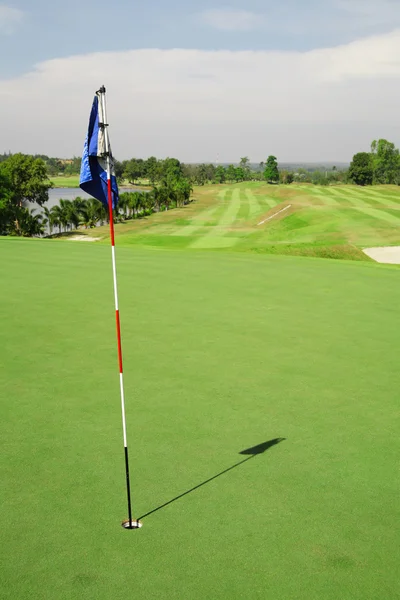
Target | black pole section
(128,487)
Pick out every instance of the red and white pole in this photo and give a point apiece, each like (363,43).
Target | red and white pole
(129,523)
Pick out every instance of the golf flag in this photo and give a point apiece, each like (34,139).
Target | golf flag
(93,179)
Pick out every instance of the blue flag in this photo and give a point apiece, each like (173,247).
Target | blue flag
(93,179)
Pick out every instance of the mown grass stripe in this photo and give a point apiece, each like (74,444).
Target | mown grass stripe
(350,197)
(197,222)
(230,214)
(381,214)
(379,198)
(231,211)
(244,210)
(322,193)
(255,207)
(269,201)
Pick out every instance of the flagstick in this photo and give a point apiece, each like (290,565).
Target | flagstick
(129,524)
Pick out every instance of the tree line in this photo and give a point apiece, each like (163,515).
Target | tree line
(153,171)
(379,166)
(54,166)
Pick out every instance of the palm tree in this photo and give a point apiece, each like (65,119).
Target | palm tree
(57,216)
(135,204)
(30,224)
(92,213)
(156,197)
(123,203)
(183,190)
(66,212)
(49,219)
(78,203)
(75,210)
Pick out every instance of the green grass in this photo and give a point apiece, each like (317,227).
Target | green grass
(335,221)
(72,181)
(61,181)
(222,351)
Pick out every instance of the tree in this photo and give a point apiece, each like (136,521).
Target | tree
(220,174)
(119,168)
(271,173)
(66,213)
(319,178)
(5,204)
(123,203)
(245,165)
(183,190)
(58,217)
(137,203)
(230,173)
(239,174)
(153,170)
(49,218)
(92,212)
(286,176)
(210,171)
(171,167)
(27,181)
(133,170)
(361,170)
(202,174)
(385,162)
(73,166)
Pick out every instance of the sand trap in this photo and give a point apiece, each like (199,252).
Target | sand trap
(83,238)
(388,254)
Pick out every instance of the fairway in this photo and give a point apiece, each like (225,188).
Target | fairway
(65,181)
(222,351)
(252,217)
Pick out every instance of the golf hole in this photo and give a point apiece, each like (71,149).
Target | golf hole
(131,524)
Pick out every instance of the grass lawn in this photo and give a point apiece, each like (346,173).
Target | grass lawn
(65,181)
(72,181)
(222,351)
(333,222)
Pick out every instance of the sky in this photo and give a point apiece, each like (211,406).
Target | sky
(202,81)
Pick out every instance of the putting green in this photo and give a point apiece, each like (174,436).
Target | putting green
(222,352)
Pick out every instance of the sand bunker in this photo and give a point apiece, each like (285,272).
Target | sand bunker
(83,238)
(388,254)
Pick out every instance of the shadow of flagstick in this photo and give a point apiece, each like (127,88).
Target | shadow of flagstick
(253,452)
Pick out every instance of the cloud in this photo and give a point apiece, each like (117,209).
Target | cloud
(231,19)
(321,104)
(10,18)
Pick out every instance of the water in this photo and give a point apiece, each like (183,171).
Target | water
(57,194)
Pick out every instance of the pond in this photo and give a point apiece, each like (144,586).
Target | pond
(57,194)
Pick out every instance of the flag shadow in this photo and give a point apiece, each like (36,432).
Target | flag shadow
(249,452)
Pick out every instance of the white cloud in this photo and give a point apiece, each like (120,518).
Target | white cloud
(10,18)
(323,104)
(231,19)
